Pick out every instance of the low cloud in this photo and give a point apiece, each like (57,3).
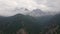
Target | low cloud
(7,7)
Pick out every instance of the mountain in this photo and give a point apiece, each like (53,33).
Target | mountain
(21,10)
(37,12)
(32,24)
(14,23)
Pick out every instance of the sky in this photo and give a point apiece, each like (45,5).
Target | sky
(7,7)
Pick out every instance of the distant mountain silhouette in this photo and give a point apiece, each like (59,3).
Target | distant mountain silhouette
(14,23)
(33,25)
(38,12)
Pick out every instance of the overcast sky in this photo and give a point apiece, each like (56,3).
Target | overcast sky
(7,6)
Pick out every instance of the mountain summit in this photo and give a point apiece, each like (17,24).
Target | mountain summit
(37,12)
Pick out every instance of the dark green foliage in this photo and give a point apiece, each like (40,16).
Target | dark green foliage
(33,25)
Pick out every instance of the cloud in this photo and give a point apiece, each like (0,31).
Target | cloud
(7,6)
(54,5)
(32,4)
(50,5)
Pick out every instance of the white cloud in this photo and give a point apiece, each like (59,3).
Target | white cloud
(54,5)
(32,4)
(6,6)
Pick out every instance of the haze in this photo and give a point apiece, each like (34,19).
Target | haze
(7,7)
